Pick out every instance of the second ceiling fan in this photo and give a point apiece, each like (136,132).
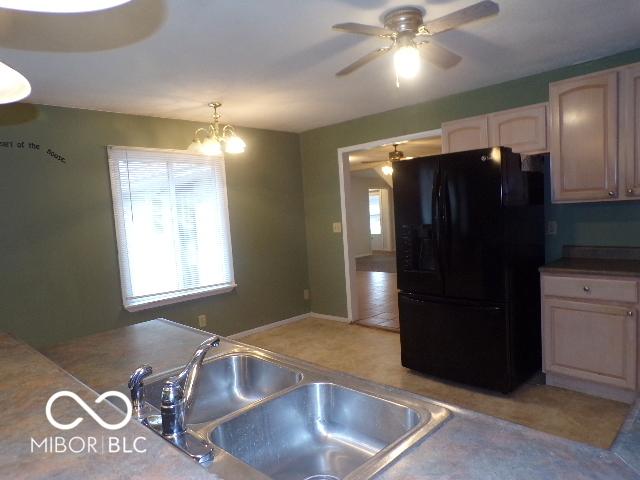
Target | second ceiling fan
(409,35)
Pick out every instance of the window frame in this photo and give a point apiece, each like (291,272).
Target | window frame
(377,192)
(164,298)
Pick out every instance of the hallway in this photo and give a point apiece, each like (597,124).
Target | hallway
(378,300)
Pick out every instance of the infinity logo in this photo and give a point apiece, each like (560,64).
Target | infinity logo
(88,409)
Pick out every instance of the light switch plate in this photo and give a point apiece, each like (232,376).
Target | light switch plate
(202,321)
(552,227)
(337,227)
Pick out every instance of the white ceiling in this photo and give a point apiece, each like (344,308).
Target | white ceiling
(272,62)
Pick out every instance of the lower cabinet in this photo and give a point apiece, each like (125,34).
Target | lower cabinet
(589,345)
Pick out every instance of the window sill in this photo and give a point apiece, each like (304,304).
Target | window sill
(171,300)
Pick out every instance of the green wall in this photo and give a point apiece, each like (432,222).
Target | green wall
(59,265)
(596,224)
(58,260)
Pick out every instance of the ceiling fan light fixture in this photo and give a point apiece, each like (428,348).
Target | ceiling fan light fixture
(406,60)
(407,30)
(13,85)
(387,169)
(60,6)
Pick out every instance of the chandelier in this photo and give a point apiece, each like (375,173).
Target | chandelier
(214,138)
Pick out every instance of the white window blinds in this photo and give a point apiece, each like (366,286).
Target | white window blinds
(172,225)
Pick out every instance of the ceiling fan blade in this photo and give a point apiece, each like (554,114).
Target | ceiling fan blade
(363,29)
(363,61)
(460,17)
(440,56)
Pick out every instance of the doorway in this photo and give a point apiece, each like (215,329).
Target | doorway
(366,190)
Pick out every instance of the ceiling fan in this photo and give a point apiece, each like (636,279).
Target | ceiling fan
(394,156)
(408,33)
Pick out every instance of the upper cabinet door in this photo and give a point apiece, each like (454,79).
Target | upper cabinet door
(465,134)
(630,133)
(584,138)
(524,129)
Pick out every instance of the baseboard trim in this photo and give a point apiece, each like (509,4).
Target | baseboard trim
(268,326)
(329,317)
(591,388)
(362,255)
(286,321)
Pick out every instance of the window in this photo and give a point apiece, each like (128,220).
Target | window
(375,225)
(172,225)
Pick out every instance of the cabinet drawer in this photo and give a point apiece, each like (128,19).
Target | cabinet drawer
(591,288)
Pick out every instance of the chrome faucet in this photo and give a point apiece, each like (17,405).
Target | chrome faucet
(178,391)
(136,386)
(176,400)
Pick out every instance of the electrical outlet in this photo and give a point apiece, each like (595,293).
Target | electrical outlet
(305,294)
(337,227)
(552,227)
(202,321)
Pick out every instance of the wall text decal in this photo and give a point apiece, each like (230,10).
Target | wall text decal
(22,145)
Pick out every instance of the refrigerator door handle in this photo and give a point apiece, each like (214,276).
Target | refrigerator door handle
(445,223)
(435,217)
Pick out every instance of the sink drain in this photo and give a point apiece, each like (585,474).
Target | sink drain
(322,477)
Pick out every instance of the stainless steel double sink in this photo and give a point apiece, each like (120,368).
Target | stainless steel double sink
(286,420)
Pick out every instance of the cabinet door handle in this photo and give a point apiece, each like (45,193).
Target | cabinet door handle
(586,288)
(612,194)
(630,313)
(630,191)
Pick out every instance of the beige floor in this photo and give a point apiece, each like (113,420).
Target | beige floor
(375,355)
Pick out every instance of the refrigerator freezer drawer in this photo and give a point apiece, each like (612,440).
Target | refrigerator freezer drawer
(461,342)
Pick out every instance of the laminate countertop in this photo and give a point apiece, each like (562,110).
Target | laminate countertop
(467,446)
(596,260)
(593,266)
(28,379)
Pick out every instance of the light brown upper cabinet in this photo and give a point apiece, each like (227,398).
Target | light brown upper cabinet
(523,129)
(630,134)
(465,134)
(584,138)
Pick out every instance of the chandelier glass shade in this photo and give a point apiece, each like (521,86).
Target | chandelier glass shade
(216,139)
(60,6)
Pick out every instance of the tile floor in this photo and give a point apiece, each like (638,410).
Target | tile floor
(374,354)
(378,300)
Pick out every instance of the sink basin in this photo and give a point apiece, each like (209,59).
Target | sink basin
(318,431)
(229,384)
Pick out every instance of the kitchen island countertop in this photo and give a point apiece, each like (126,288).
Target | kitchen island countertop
(469,445)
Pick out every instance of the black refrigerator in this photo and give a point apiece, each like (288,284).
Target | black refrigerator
(469,241)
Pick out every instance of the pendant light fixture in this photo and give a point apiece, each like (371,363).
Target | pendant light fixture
(216,139)
(13,85)
(60,6)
